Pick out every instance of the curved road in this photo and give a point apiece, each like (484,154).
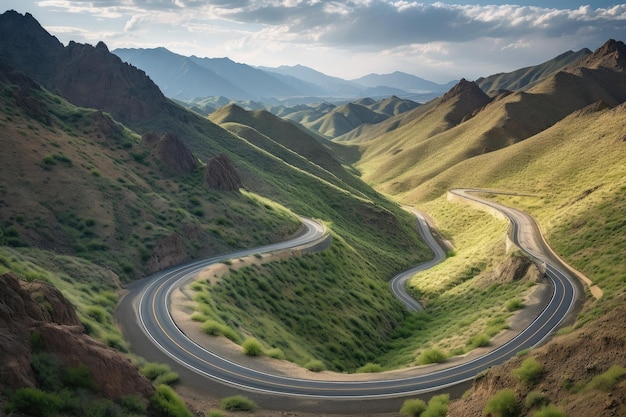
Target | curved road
(398,283)
(158,325)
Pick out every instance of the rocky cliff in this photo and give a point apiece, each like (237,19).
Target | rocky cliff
(36,308)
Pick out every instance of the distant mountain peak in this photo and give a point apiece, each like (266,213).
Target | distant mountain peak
(102,46)
(612,54)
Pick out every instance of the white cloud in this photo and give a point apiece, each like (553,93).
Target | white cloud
(443,40)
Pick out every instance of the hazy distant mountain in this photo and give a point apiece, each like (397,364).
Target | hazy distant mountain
(256,83)
(179,76)
(185,78)
(333,121)
(403,81)
(334,86)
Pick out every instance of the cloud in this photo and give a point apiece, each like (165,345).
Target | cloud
(368,23)
(380,35)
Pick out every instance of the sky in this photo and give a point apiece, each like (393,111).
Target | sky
(439,41)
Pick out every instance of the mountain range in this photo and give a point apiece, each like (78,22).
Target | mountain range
(106,179)
(185,78)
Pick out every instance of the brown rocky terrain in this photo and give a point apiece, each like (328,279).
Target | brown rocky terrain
(171,152)
(36,308)
(221,174)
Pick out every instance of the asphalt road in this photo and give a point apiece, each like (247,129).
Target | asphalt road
(151,299)
(398,283)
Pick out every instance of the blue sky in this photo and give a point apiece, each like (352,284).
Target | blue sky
(440,41)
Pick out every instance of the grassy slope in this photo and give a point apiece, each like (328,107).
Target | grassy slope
(576,171)
(575,167)
(80,188)
(77,188)
(369,247)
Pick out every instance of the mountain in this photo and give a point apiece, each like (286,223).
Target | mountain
(465,122)
(558,148)
(335,86)
(402,81)
(186,78)
(178,76)
(526,77)
(332,121)
(89,203)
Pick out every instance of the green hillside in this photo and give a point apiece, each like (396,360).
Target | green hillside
(83,189)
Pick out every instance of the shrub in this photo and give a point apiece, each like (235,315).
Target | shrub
(550,411)
(252,347)
(238,403)
(370,368)
(437,406)
(275,353)
(214,413)
(211,327)
(34,402)
(503,404)
(431,356)
(479,340)
(529,372)
(535,399)
(155,371)
(98,313)
(413,407)
(116,342)
(515,304)
(168,378)
(103,408)
(607,380)
(315,365)
(78,377)
(134,404)
(48,371)
(166,403)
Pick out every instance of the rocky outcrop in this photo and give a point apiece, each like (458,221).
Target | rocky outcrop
(149,139)
(612,55)
(38,308)
(171,152)
(169,250)
(221,174)
(174,155)
(513,268)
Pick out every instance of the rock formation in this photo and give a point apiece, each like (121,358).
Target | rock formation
(221,174)
(174,155)
(171,152)
(168,251)
(36,307)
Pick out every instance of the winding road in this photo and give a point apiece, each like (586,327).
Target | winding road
(151,302)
